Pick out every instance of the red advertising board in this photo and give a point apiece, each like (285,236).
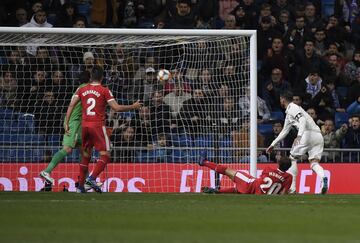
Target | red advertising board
(167,177)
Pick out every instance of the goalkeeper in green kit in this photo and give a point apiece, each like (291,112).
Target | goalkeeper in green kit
(70,141)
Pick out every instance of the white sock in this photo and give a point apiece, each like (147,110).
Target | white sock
(318,169)
(293,170)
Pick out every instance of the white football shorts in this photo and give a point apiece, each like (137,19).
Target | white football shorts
(312,143)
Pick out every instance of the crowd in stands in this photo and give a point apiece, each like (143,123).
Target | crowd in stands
(314,52)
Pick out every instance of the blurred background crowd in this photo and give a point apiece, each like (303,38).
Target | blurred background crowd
(309,47)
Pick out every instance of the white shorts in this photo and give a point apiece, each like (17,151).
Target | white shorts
(312,143)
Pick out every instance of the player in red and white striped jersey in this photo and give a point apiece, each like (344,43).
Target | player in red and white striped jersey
(271,181)
(94,98)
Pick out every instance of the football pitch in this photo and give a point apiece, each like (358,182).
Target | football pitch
(126,217)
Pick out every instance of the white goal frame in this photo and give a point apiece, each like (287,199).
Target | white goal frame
(180,32)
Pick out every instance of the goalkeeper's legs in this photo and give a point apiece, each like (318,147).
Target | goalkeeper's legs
(56,159)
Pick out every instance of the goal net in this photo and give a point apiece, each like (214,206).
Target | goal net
(207,106)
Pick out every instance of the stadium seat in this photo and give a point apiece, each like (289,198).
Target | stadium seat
(341,118)
(8,114)
(73,157)
(225,142)
(265,128)
(54,140)
(277,115)
(180,156)
(182,140)
(37,139)
(5,155)
(26,123)
(37,155)
(204,141)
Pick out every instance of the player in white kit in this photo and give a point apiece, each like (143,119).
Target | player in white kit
(309,140)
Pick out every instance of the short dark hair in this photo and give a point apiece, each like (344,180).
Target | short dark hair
(288,95)
(97,73)
(284,163)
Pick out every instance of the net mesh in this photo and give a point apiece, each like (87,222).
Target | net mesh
(202,108)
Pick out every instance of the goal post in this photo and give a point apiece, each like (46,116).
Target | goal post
(219,66)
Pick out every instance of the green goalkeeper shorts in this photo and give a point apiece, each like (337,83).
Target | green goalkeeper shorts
(74,138)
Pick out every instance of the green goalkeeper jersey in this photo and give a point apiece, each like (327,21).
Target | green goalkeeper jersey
(77,111)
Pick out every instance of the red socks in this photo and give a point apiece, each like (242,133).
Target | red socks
(227,190)
(218,168)
(84,164)
(100,165)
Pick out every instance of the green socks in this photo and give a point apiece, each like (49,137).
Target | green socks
(59,156)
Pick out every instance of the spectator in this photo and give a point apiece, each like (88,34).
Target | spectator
(124,142)
(332,138)
(229,119)
(313,113)
(320,42)
(352,138)
(62,90)
(273,88)
(353,90)
(79,22)
(330,86)
(67,15)
(262,108)
(281,6)
(278,57)
(160,114)
(307,60)
(243,21)
(277,126)
(21,17)
(36,6)
(336,66)
(298,99)
(241,140)
(38,86)
(324,103)
(177,76)
(150,84)
(38,20)
(354,108)
(8,90)
(230,22)
(183,17)
(296,36)
(335,32)
(284,23)
(105,14)
(266,33)
(176,98)
(48,114)
(352,68)
(194,114)
(206,82)
(312,22)
(225,8)
(159,150)
(265,12)
(143,127)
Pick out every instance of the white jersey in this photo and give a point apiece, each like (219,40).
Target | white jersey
(298,117)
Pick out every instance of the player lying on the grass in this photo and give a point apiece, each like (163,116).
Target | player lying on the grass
(94,98)
(271,181)
(309,140)
(70,141)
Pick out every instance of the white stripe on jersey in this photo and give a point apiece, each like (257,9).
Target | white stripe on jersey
(107,142)
(243,177)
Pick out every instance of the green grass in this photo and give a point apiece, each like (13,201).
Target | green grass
(124,217)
